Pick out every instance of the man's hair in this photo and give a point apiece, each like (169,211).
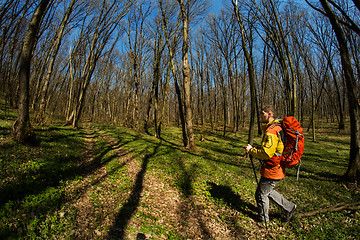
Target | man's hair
(270,108)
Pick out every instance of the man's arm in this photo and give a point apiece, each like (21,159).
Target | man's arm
(267,148)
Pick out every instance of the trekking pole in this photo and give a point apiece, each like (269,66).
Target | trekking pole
(252,163)
(257,182)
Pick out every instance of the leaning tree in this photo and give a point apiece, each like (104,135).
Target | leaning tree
(22,131)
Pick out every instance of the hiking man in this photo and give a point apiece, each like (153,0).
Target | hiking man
(271,173)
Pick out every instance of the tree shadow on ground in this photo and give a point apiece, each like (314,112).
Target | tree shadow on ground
(187,204)
(234,201)
(51,174)
(122,219)
(53,171)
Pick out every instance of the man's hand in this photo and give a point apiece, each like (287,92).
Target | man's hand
(248,147)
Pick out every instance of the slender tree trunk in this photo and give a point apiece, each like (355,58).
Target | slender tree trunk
(22,127)
(338,97)
(237,92)
(233,92)
(272,25)
(158,49)
(172,64)
(165,94)
(70,99)
(186,78)
(156,106)
(251,73)
(202,104)
(151,96)
(85,80)
(220,76)
(312,108)
(210,106)
(223,88)
(135,116)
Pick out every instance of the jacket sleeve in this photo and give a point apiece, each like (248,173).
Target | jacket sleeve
(267,148)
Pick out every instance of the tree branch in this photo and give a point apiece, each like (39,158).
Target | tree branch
(335,208)
(315,8)
(352,25)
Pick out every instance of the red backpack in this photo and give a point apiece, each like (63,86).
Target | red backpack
(293,139)
(294,142)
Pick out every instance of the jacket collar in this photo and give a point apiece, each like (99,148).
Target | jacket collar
(276,121)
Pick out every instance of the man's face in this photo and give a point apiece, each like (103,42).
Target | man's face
(265,116)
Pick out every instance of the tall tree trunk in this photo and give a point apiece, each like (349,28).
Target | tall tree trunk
(223,88)
(312,108)
(22,128)
(210,106)
(202,104)
(338,96)
(251,73)
(172,64)
(165,97)
(135,116)
(220,76)
(181,109)
(150,102)
(186,77)
(353,171)
(158,49)
(233,92)
(156,103)
(70,99)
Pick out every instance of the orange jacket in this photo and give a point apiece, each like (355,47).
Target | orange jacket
(271,144)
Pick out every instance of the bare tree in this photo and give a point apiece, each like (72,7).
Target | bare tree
(22,128)
(158,48)
(171,49)
(251,71)
(353,171)
(186,74)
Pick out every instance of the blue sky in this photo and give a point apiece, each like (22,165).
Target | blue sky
(217,4)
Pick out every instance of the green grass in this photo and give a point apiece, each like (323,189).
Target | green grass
(56,191)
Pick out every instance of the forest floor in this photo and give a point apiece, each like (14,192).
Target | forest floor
(103,182)
(161,203)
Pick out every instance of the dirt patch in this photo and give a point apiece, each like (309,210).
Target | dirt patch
(97,201)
